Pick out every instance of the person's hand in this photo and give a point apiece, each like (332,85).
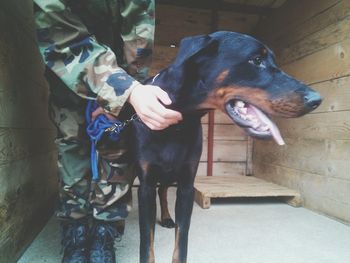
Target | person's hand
(99,111)
(146,100)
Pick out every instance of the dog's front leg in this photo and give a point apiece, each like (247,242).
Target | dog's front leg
(183,212)
(147,218)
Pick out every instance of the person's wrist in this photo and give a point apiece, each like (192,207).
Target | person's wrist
(133,89)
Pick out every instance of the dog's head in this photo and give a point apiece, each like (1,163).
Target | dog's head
(237,74)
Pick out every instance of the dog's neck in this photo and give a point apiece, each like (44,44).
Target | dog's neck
(182,92)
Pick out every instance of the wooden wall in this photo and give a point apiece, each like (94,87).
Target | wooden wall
(27,155)
(231,147)
(311,40)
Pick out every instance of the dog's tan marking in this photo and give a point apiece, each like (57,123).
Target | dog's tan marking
(151,258)
(290,106)
(222,76)
(176,254)
(221,95)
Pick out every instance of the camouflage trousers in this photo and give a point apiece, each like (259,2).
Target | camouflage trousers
(108,199)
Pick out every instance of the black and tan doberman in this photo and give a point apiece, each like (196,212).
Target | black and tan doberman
(232,72)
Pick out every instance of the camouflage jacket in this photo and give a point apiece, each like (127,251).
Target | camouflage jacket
(95,46)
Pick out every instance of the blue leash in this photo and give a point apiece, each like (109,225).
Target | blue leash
(95,130)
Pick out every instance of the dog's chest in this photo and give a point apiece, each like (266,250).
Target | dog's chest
(171,148)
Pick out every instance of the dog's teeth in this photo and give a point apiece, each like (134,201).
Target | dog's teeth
(243,110)
(264,128)
(256,125)
(239,104)
(250,117)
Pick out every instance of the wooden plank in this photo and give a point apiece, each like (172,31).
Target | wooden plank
(163,56)
(28,166)
(249,164)
(330,35)
(302,154)
(323,157)
(19,94)
(227,151)
(16,144)
(223,168)
(312,69)
(254,2)
(237,22)
(237,186)
(202,200)
(295,201)
(328,125)
(289,16)
(338,165)
(26,201)
(174,23)
(291,51)
(21,12)
(316,190)
(17,53)
(336,95)
(23,107)
(220,118)
(281,175)
(278,3)
(330,207)
(223,132)
(319,22)
(220,6)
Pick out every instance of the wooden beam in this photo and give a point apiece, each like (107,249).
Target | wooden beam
(222,6)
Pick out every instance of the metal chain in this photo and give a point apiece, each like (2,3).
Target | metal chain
(121,125)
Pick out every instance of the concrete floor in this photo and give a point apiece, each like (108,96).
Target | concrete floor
(240,231)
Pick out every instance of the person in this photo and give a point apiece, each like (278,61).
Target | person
(96,50)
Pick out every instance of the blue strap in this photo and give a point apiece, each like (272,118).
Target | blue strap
(95,130)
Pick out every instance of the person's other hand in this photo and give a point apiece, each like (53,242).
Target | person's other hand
(146,100)
(99,111)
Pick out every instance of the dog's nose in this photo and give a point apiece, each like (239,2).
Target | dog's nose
(312,100)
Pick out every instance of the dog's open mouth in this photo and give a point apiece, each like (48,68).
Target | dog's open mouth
(255,122)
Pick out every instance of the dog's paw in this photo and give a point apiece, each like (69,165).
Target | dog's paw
(168,223)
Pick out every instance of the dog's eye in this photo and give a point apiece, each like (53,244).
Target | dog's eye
(257,61)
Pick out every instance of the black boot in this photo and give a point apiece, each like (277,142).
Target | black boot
(102,248)
(75,241)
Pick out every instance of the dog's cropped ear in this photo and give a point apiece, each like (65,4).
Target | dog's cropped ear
(190,46)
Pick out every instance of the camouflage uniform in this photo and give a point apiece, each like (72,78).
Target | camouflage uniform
(93,47)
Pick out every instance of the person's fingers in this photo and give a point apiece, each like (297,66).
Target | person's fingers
(96,112)
(166,114)
(152,124)
(99,111)
(148,102)
(162,95)
(150,114)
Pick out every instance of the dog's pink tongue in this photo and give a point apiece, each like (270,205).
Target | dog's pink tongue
(273,128)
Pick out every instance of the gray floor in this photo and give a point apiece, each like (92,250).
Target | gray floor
(240,231)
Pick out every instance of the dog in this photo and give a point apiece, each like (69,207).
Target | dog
(228,71)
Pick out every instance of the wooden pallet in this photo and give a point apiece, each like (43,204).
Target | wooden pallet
(207,187)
